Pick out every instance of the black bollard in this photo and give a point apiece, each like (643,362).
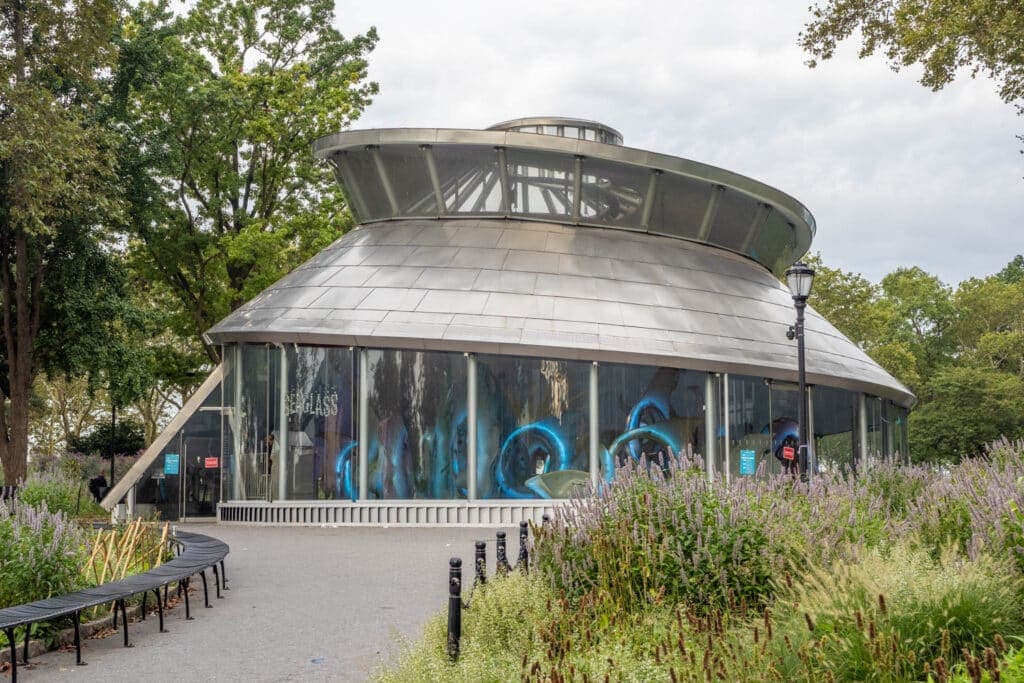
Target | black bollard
(454,606)
(481,564)
(545,519)
(523,560)
(502,566)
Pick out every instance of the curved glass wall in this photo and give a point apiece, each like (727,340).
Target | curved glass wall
(416,425)
(835,427)
(649,411)
(319,445)
(532,418)
(429,180)
(291,424)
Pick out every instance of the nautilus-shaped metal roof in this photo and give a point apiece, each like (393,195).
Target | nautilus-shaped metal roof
(547,238)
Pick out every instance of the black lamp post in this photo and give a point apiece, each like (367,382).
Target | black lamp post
(800,278)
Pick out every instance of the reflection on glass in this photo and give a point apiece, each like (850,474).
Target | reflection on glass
(531,427)
(253,415)
(750,420)
(417,425)
(876,426)
(648,412)
(183,479)
(321,460)
(835,424)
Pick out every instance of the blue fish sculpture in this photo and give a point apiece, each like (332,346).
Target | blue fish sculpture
(542,442)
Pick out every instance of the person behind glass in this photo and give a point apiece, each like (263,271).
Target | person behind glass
(300,448)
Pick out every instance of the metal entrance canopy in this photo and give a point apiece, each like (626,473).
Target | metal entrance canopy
(565,171)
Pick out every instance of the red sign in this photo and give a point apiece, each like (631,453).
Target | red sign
(214,463)
(788,453)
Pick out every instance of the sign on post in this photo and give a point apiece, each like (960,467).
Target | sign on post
(211,463)
(788,453)
(172,463)
(748,462)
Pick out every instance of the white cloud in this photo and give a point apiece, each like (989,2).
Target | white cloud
(894,174)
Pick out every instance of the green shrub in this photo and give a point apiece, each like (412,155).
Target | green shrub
(40,553)
(501,627)
(894,612)
(61,494)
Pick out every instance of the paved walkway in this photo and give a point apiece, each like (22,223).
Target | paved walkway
(304,604)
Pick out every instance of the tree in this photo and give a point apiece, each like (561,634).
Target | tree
(849,301)
(981,36)
(962,409)
(222,108)
(123,439)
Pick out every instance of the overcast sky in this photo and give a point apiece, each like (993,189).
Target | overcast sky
(895,174)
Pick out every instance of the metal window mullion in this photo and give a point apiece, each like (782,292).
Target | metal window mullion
(727,447)
(282,421)
(435,179)
(709,426)
(652,189)
(710,212)
(577,187)
(506,189)
(364,423)
(862,430)
(594,424)
(238,483)
(385,181)
(471,456)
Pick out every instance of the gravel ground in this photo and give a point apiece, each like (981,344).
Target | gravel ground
(320,604)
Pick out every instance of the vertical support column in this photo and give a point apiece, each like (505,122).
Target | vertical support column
(282,428)
(471,455)
(364,423)
(709,425)
(506,189)
(862,431)
(577,188)
(727,441)
(237,484)
(595,418)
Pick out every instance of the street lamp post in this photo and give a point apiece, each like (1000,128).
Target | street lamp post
(800,278)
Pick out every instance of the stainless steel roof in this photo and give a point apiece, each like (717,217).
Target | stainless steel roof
(442,173)
(549,290)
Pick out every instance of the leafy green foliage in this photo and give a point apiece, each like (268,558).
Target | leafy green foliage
(60,493)
(222,107)
(40,553)
(124,438)
(982,36)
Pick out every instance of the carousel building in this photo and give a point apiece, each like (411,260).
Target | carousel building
(519,310)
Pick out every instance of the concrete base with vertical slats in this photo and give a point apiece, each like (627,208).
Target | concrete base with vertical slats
(385,513)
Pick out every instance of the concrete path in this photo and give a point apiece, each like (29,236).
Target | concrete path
(304,604)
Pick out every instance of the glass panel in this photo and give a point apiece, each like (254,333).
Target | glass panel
(902,444)
(410,179)
(183,480)
(750,420)
(612,194)
(321,459)
(469,178)
(785,425)
(835,423)
(646,411)
(371,191)
(736,212)
(252,417)
(531,427)
(542,183)
(417,425)
(775,242)
(679,206)
(876,427)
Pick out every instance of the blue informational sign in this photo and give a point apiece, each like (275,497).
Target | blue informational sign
(172,463)
(748,462)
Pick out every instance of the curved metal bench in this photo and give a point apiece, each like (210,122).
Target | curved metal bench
(197,553)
